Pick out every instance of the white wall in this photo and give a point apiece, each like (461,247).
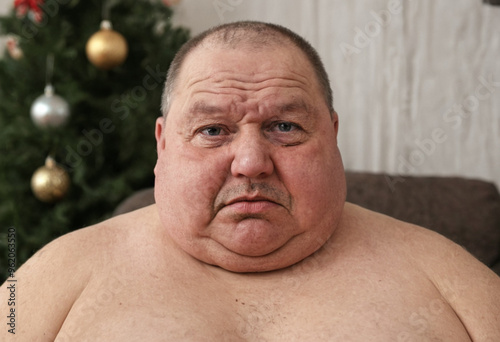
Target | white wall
(401,70)
(5,6)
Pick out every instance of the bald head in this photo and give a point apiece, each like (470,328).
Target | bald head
(250,34)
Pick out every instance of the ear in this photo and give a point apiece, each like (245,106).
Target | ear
(160,137)
(335,120)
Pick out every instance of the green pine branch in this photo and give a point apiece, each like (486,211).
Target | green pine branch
(108,144)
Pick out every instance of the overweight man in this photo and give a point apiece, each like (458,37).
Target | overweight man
(250,238)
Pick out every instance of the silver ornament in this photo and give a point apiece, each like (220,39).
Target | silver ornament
(49,109)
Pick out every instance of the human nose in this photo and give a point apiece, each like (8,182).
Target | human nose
(251,157)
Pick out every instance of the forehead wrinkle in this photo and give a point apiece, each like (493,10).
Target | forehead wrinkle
(249,81)
(202,107)
(295,106)
(255,83)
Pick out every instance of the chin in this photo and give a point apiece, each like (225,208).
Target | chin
(277,260)
(253,266)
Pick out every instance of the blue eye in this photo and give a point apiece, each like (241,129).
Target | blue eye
(212,131)
(286,133)
(285,127)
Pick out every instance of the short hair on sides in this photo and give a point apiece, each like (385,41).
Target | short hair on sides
(247,32)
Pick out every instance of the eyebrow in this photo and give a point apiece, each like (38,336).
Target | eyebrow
(293,106)
(201,107)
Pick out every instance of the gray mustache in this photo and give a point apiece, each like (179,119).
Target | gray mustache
(262,189)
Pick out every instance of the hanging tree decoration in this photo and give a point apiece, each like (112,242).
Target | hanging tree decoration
(49,109)
(171,3)
(12,44)
(106,49)
(50,182)
(30,7)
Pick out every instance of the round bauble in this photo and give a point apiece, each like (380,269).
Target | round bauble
(13,47)
(171,2)
(49,109)
(50,183)
(106,48)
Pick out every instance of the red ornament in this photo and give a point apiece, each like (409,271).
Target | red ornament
(26,6)
(170,3)
(13,47)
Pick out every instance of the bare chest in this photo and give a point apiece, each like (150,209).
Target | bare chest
(291,308)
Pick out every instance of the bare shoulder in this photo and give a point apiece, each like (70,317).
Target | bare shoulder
(470,288)
(51,281)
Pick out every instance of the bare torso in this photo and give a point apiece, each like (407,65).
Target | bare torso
(375,279)
(362,285)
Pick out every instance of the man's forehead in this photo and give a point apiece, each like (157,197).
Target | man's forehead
(215,65)
(282,106)
(253,69)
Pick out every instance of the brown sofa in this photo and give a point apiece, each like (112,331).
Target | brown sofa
(466,211)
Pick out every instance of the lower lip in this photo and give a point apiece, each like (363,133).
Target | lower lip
(252,207)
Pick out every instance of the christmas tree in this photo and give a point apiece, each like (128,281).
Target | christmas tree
(102,143)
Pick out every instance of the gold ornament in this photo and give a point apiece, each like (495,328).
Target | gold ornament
(50,183)
(106,48)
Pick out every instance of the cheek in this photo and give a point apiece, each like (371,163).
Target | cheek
(316,180)
(186,185)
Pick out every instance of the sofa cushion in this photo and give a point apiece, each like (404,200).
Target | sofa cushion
(139,199)
(466,211)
